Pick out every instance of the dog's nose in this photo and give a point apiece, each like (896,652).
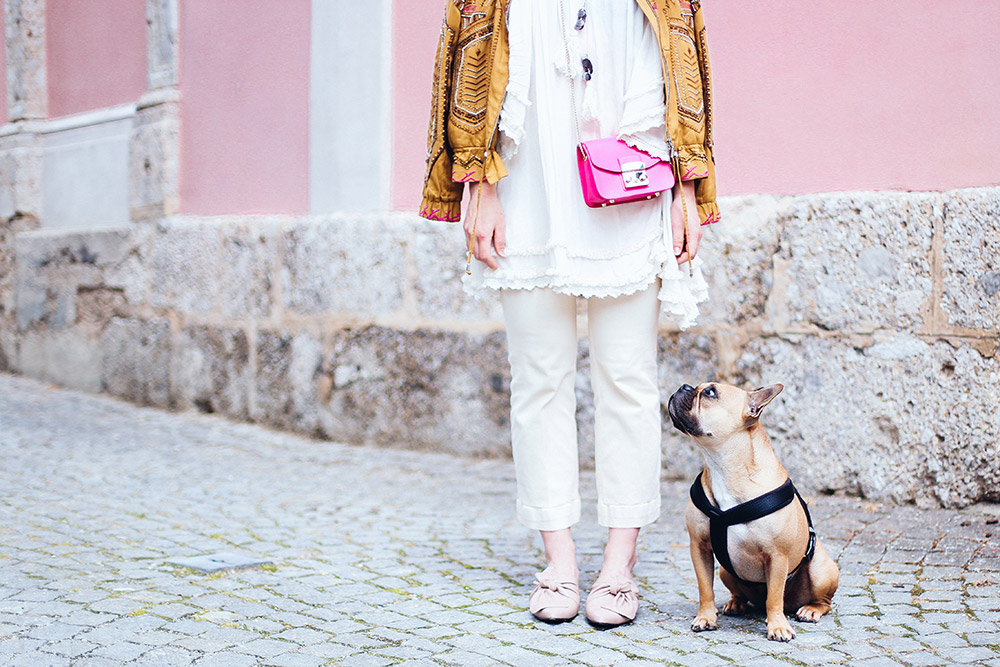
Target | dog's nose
(686,388)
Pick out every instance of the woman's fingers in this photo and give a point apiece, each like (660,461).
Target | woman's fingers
(677,228)
(484,248)
(500,235)
(685,246)
(694,240)
(485,220)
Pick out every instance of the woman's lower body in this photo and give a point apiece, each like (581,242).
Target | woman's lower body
(542,348)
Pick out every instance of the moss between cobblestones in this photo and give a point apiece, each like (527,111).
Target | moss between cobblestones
(306,586)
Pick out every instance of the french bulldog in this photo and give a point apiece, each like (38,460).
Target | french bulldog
(740,465)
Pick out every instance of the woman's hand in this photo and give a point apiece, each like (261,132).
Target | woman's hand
(681,250)
(490,230)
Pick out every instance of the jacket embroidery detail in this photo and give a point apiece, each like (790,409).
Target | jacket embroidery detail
(687,76)
(469,103)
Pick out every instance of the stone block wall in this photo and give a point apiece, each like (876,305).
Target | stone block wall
(879,312)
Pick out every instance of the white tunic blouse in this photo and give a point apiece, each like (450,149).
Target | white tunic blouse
(554,240)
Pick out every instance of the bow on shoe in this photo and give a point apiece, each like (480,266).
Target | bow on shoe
(622,599)
(553,600)
(613,604)
(545,582)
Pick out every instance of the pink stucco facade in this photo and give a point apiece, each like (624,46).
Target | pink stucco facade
(825,96)
(96,54)
(810,97)
(416,25)
(244,83)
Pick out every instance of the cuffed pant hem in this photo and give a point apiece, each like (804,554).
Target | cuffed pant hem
(549,518)
(628,516)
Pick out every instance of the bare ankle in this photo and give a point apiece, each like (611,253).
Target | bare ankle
(560,553)
(619,554)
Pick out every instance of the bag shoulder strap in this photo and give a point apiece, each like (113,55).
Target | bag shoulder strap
(572,80)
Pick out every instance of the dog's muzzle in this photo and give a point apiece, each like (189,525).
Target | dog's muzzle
(679,409)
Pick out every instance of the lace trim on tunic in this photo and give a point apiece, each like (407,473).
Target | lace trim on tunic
(618,253)
(643,125)
(679,293)
(512,113)
(649,142)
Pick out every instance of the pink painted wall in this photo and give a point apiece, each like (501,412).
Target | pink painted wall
(415,29)
(96,54)
(810,97)
(244,79)
(818,96)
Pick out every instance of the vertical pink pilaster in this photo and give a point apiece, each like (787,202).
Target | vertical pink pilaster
(244,81)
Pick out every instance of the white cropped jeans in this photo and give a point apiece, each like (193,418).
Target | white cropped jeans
(542,349)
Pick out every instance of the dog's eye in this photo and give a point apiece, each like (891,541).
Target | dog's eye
(709,392)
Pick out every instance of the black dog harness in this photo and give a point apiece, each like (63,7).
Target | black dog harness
(761,506)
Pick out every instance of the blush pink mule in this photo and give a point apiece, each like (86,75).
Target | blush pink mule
(554,601)
(612,604)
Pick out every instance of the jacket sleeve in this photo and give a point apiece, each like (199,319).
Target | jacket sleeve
(442,197)
(697,161)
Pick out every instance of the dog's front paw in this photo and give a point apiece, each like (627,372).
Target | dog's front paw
(780,632)
(735,607)
(703,622)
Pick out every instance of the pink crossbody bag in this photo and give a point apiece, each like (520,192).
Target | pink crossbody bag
(612,172)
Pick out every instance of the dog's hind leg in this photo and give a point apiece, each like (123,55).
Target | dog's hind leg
(737,604)
(825,577)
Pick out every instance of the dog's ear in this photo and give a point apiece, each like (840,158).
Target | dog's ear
(758,398)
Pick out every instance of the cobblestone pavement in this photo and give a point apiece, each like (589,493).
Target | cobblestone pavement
(384,557)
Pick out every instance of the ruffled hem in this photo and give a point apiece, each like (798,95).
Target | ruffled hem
(643,112)
(617,253)
(646,129)
(585,291)
(679,294)
(660,149)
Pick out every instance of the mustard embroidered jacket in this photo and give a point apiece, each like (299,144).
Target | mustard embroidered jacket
(470,77)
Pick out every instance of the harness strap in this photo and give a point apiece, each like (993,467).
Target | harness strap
(761,506)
